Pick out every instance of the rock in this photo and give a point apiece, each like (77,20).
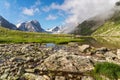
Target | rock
(5,75)
(66,62)
(29,70)
(20,71)
(64,58)
(24,48)
(72,44)
(29,59)
(101,50)
(60,78)
(118,53)
(110,54)
(84,48)
(30,76)
(87,78)
(17,59)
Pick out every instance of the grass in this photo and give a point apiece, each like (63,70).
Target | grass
(14,36)
(109,70)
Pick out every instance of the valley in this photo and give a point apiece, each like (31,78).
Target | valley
(85,45)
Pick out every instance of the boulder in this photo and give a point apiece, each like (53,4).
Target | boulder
(64,61)
(84,48)
(87,78)
(118,53)
(101,50)
(72,44)
(30,76)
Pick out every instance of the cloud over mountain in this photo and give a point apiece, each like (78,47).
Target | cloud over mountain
(80,10)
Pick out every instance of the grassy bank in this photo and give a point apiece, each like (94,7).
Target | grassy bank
(13,36)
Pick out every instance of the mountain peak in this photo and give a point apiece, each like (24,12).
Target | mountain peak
(55,30)
(6,24)
(31,26)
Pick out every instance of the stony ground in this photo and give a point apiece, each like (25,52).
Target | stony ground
(61,62)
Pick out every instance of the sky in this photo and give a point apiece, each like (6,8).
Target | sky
(51,13)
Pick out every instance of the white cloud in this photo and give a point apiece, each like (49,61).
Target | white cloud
(7,5)
(27,11)
(32,10)
(46,9)
(79,10)
(51,17)
(52,6)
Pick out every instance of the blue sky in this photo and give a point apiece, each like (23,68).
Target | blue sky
(17,11)
(51,13)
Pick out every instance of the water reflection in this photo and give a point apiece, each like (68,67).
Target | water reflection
(110,42)
(50,45)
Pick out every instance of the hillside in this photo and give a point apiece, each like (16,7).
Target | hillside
(14,36)
(110,28)
(90,25)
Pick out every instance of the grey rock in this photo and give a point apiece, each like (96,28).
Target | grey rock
(84,48)
(87,78)
(72,44)
(60,78)
(66,62)
(30,76)
(118,53)
(6,73)
(4,76)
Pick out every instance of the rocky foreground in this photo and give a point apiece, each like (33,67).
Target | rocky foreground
(62,62)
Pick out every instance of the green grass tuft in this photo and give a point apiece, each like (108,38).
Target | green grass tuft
(110,70)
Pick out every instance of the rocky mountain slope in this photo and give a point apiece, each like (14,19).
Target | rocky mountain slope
(54,30)
(6,24)
(31,26)
(106,24)
(88,27)
(110,27)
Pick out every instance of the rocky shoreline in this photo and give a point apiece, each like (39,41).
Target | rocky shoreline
(34,61)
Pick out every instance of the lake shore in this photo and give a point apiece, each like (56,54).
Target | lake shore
(34,61)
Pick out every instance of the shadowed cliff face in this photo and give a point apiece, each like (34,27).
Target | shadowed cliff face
(6,24)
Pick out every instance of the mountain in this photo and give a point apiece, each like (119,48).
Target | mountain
(6,24)
(106,23)
(110,27)
(54,30)
(31,26)
(90,25)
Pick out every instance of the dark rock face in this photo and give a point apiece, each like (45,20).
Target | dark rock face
(118,3)
(31,26)
(6,24)
(56,29)
(89,26)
